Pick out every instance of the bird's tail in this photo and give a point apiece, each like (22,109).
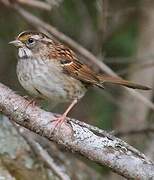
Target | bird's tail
(114,80)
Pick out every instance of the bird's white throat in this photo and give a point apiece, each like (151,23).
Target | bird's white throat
(24,52)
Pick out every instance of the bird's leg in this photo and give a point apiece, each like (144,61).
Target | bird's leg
(60,120)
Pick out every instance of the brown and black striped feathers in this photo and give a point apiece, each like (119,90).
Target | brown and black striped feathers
(82,72)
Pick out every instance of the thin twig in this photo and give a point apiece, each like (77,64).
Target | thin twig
(32,3)
(5,2)
(136,67)
(55,2)
(131,132)
(36,4)
(129,60)
(78,48)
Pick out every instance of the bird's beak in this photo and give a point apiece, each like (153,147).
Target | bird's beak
(16,43)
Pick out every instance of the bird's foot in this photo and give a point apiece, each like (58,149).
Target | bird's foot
(61,119)
(58,122)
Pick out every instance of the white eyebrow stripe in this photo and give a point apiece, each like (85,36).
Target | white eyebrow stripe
(47,39)
(36,37)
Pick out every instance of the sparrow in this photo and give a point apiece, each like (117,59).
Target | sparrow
(50,70)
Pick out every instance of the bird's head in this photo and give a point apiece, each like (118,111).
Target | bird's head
(30,42)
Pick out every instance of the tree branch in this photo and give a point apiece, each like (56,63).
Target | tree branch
(101,148)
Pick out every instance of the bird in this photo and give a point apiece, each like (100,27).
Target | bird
(49,69)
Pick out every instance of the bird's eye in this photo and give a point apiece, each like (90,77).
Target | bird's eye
(30,40)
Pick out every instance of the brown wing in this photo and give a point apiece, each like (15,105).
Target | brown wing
(72,66)
(81,72)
